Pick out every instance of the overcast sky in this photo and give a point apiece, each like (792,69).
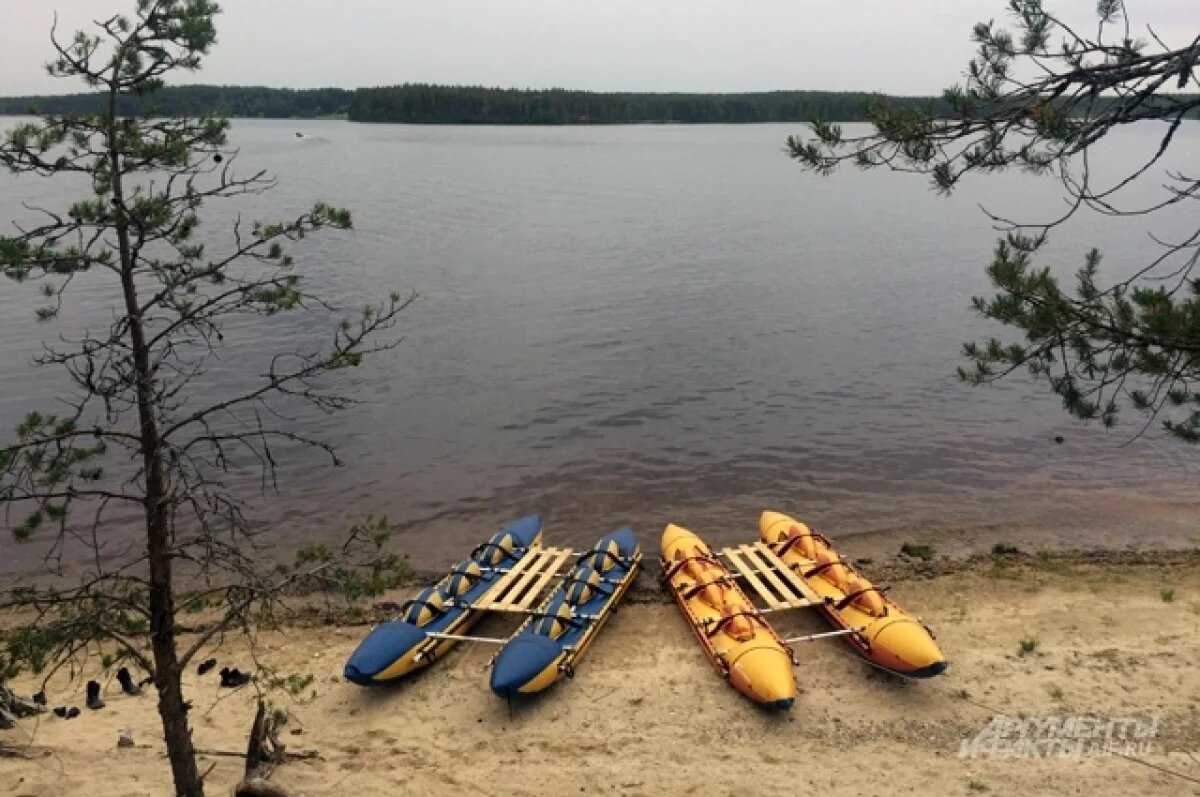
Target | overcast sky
(895,46)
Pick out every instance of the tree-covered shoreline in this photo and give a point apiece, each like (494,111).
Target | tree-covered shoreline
(417,103)
(254,102)
(432,104)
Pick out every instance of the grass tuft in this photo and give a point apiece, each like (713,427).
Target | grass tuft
(916,551)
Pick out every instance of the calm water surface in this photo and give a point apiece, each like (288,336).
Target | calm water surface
(644,324)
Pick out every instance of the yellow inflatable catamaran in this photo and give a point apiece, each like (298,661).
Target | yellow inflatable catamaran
(742,647)
(889,637)
(791,567)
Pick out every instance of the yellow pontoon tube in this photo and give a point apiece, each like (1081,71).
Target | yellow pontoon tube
(890,637)
(742,647)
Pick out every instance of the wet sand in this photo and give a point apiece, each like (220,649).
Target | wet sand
(645,715)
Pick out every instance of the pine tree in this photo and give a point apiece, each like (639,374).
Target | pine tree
(135,433)
(1038,97)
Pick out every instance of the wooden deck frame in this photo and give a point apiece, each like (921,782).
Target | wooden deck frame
(518,589)
(770,578)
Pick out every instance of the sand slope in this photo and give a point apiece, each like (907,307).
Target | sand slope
(646,716)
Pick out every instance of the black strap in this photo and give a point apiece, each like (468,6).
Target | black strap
(790,543)
(787,544)
(597,587)
(472,578)
(574,622)
(695,589)
(487,546)
(853,596)
(433,607)
(676,564)
(715,628)
(821,568)
(615,559)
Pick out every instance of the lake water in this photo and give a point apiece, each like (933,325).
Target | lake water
(664,323)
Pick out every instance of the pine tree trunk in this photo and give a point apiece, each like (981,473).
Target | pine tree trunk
(171,709)
(174,723)
(167,670)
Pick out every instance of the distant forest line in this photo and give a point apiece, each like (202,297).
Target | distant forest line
(426,104)
(255,102)
(429,104)
(418,103)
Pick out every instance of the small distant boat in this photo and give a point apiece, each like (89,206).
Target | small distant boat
(299,134)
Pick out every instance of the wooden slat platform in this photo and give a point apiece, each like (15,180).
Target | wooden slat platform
(768,576)
(518,589)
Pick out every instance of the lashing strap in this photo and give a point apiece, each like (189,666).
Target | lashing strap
(676,564)
(574,622)
(822,568)
(433,607)
(472,578)
(792,541)
(712,629)
(853,596)
(488,547)
(567,585)
(695,589)
(616,560)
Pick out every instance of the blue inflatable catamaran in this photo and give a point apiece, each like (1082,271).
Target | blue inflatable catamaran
(507,574)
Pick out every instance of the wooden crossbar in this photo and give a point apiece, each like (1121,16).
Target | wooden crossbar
(753,554)
(748,573)
(519,588)
(788,574)
(778,586)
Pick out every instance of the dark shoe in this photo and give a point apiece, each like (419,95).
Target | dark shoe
(73,712)
(206,666)
(234,678)
(40,698)
(93,696)
(127,684)
(60,711)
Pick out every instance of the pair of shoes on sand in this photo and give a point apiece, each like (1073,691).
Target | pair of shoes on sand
(95,702)
(233,678)
(67,713)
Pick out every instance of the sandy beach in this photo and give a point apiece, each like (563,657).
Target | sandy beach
(646,716)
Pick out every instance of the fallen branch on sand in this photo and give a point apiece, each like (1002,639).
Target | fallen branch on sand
(264,752)
(299,755)
(257,787)
(12,708)
(12,752)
